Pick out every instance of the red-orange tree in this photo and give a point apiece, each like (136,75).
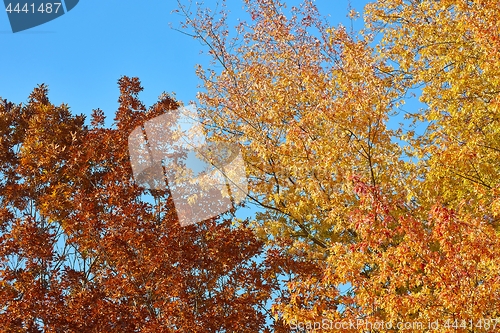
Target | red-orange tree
(83,249)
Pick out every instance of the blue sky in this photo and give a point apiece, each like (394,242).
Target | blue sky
(83,53)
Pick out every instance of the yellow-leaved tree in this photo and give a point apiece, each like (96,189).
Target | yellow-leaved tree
(408,223)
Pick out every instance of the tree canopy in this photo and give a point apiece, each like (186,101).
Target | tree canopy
(408,219)
(363,224)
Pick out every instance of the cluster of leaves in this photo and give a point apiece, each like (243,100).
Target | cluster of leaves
(358,219)
(410,221)
(83,249)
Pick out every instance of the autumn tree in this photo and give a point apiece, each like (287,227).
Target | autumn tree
(85,249)
(449,49)
(409,221)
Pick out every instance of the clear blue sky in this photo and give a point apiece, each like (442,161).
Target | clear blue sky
(83,53)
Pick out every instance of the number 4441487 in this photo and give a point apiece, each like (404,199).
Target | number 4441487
(486,324)
(47,7)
